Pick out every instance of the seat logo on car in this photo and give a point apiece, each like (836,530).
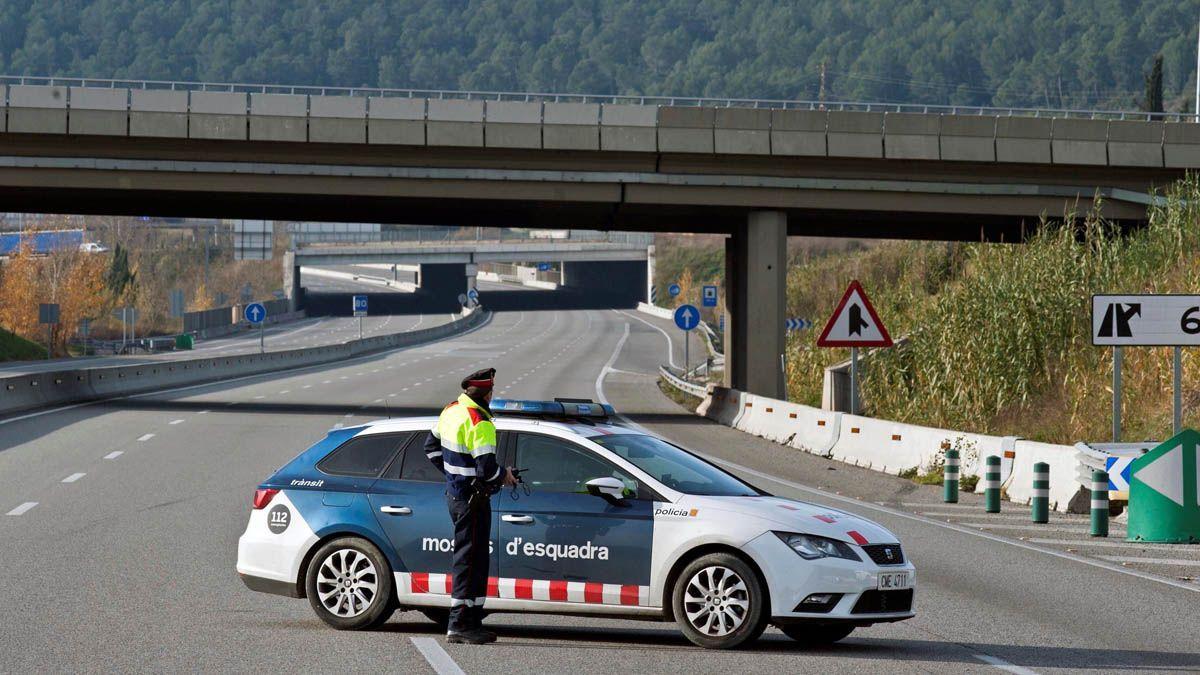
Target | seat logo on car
(279,518)
(889,554)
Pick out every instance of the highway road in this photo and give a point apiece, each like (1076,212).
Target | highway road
(119,553)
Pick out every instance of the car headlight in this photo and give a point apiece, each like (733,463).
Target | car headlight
(811,547)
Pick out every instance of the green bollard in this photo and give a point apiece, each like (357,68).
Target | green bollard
(991,484)
(950,480)
(1099,504)
(1041,493)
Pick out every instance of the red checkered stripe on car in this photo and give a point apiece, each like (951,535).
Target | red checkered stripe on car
(536,589)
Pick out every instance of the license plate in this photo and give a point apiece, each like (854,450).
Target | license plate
(891,581)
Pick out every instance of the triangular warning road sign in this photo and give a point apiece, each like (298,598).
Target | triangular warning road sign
(854,323)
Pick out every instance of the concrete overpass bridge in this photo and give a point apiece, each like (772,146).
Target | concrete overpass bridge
(757,170)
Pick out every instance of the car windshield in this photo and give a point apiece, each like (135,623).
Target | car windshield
(674,467)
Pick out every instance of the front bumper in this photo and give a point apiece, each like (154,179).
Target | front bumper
(790,579)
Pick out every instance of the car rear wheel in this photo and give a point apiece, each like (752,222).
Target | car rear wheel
(349,584)
(719,602)
(816,636)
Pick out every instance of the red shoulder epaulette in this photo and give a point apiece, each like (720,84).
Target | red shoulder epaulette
(476,416)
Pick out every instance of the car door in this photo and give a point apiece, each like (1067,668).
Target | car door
(560,543)
(410,502)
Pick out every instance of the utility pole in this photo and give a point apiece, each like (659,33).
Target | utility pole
(821,91)
(1198,72)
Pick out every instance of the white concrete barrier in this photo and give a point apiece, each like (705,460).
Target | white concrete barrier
(722,405)
(655,310)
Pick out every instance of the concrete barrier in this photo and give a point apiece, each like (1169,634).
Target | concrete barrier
(1023,139)
(98,112)
(655,310)
(1181,145)
(967,138)
(512,124)
(37,109)
(278,117)
(158,113)
(454,122)
(1075,141)
(29,392)
(219,115)
(337,119)
(799,133)
(911,136)
(742,131)
(1135,143)
(686,129)
(571,126)
(722,405)
(396,121)
(855,134)
(628,128)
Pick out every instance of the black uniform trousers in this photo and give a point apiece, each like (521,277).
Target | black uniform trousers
(472,534)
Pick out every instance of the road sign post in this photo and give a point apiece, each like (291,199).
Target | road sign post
(256,313)
(1099,508)
(48,315)
(950,477)
(991,484)
(1164,492)
(687,317)
(854,324)
(1040,505)
(1120,321)
(359,306)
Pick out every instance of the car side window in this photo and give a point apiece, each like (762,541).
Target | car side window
(363,455)
(555,465)
(416,465)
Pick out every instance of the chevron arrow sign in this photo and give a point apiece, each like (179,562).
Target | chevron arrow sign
(798,324)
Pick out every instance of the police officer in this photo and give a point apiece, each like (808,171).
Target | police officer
(462,445)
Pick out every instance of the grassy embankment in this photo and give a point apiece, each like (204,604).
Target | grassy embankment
(999,334)
(16,348)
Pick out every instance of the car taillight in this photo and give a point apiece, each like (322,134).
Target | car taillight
(263,496)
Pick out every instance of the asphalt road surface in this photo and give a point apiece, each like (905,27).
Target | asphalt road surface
(120,553)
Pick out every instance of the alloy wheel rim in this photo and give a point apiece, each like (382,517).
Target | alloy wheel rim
(716,601)
(347,583)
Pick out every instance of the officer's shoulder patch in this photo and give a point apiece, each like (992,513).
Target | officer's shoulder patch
(476,416)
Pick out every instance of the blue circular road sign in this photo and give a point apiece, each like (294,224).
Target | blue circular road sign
(473,294)
(687,317)
(255,312)
(674,290)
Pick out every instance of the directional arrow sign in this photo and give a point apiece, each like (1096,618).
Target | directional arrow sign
(255,312)
(854,323)
(798,324)
(1118,472)
(687,317)
(1164,500)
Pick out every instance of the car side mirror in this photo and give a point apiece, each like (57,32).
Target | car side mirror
(611,489)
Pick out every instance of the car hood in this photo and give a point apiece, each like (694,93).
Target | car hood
(790,515)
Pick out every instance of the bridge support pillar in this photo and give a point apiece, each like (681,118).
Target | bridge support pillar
(755,286)
(291,281)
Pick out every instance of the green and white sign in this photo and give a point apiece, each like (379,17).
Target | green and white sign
(1164,497)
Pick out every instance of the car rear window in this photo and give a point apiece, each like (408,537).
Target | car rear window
(363,455)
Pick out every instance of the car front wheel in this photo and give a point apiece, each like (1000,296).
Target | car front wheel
(349,584)
(719,602)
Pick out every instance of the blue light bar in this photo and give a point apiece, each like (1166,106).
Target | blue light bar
(551,408)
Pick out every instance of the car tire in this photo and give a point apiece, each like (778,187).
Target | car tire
(439,616)
(719,602)
(816,636)
(349,584)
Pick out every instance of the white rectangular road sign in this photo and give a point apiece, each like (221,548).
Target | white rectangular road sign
(1146,320)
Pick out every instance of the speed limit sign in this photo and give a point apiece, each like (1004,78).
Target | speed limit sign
(1146,320)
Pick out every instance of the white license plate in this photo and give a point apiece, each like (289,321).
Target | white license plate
(892,581)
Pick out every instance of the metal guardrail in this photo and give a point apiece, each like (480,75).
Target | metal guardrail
(686,387)
(785,104)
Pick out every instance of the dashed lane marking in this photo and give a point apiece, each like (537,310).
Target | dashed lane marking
(1150,561)
(1032,527)
(1101,543)
(73,477)
(202,412)
(437,657)
(22,509)
(114,454)
(259,396)
(1004,665)
(174,422)
(145,437)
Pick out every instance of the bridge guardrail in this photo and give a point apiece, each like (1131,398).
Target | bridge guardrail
(698,390)
(37,390)
(612,99)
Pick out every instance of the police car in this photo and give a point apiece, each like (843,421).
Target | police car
(610,522)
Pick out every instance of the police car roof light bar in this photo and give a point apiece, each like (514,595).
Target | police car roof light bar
(557,408)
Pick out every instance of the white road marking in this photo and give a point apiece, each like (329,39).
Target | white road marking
(307,386)
(145,437)
(259,396)
(325,381)
(1035,528)
(437,657)
(1004,665)
(22,509)
(202,412)
(173,422)
(73,477)
(1101,543)
(285,391)
(1151,561)
(114,454)
(1091,562)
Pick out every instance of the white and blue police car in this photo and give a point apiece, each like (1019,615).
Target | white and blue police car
(611,522)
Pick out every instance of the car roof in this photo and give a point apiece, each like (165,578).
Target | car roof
(587,429)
